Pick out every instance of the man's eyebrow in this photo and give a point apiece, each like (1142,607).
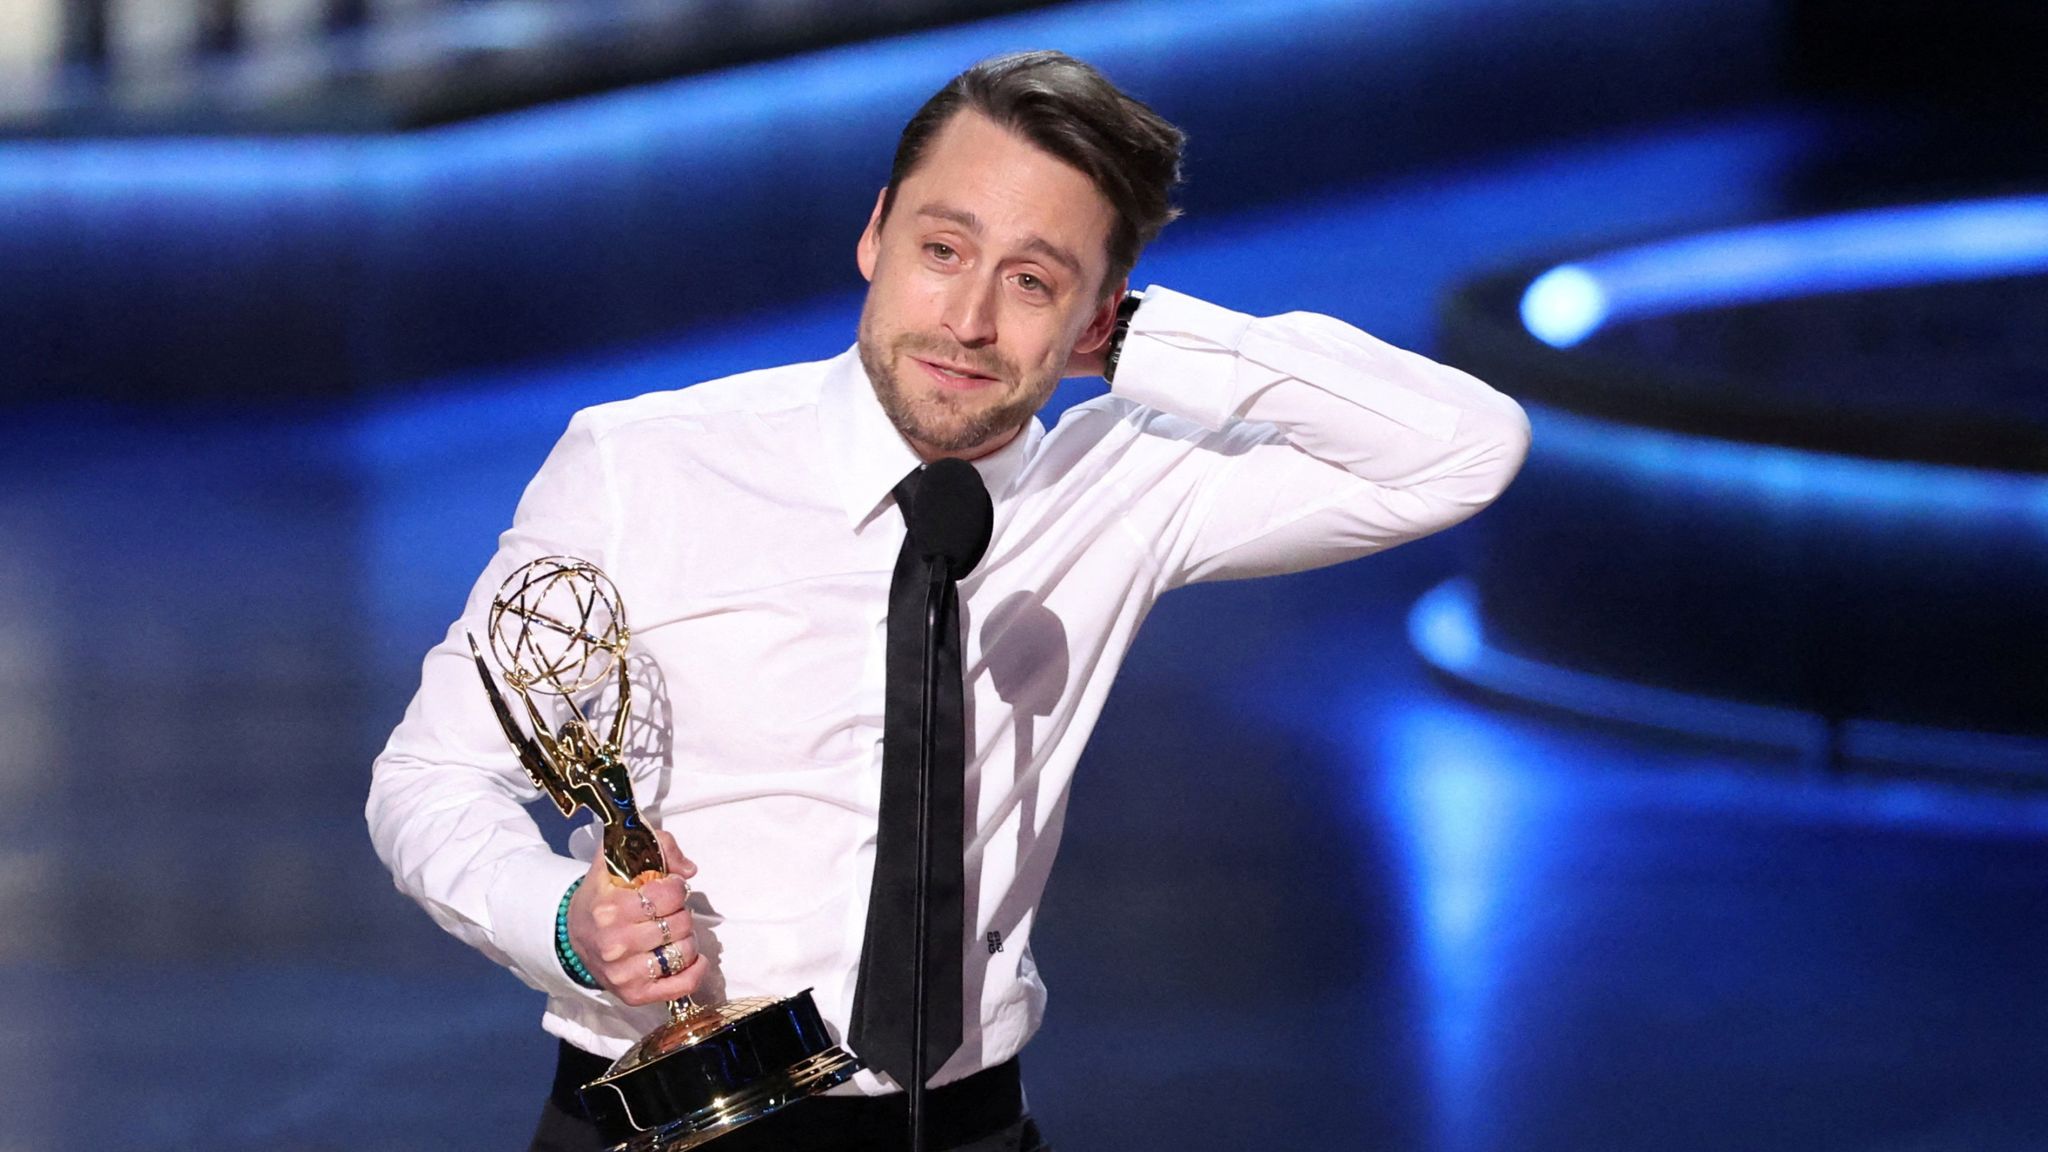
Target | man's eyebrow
(1054,253)
(972,223)
(960,216)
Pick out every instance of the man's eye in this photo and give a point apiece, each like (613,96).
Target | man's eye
(940,251)
(1030,283)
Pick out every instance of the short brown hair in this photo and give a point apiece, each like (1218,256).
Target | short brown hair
(1066,107)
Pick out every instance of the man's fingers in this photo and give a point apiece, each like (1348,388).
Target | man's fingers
(620,905)
(636,978)
(664,897)
(661,991)
(642,937)
(684,983)
(624,960)
(647,935)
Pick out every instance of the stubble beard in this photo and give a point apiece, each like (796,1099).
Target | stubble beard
(948,422)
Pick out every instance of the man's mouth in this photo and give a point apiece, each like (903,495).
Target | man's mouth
(952,375)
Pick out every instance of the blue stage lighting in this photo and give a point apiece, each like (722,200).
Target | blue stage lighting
(1564,306)
(1858,251)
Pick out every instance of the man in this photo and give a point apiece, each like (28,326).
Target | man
(752,527)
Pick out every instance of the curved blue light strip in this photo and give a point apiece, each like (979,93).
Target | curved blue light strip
(1880,248)
(1446,628)
(1903,490)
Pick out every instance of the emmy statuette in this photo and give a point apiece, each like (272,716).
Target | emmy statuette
(557,627)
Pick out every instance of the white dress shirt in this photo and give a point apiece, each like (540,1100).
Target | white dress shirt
(749,527)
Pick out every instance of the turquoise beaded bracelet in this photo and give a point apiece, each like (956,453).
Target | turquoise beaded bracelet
(565,952)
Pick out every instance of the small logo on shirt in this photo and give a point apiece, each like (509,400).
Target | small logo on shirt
(995,943)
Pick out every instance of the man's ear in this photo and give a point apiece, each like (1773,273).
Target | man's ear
(870,245)
(1103,321)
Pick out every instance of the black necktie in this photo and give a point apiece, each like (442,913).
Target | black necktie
(923,584)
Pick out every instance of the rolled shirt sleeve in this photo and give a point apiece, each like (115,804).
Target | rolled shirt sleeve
(1324,443)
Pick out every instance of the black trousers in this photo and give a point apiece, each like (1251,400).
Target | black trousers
(982,1113)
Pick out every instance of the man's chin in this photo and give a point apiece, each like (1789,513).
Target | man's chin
(969,442)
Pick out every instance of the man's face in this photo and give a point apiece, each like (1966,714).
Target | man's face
(985,278)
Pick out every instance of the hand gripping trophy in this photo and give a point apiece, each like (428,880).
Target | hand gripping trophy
(557,626)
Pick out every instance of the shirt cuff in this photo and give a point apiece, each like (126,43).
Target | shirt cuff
(523,901)
(1180,356)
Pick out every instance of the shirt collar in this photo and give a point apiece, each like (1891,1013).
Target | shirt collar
(868,457)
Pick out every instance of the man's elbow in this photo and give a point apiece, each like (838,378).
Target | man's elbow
(1502,440)
(1515,443)
(390,805)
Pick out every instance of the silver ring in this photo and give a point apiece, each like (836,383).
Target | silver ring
(663,925)
(651,975)
(646,905)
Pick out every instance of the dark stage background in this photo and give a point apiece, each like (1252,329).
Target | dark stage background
(1691,799)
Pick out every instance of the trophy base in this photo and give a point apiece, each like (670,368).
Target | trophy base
(813,1076)
(710,1070)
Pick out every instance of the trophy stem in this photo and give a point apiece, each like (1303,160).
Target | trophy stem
(680,1010)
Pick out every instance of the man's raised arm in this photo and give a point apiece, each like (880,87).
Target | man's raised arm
(1325,443)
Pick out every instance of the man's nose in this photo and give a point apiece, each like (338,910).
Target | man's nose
(971,311)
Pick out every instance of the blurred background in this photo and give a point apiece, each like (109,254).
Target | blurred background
(1691,798)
